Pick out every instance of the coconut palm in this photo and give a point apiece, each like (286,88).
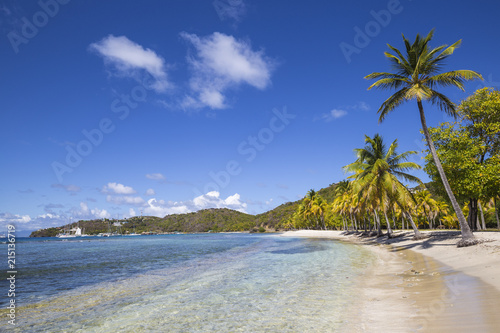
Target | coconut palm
(308,203)
(427,204)
(376,173)
(341,200)
(442,210)
(318,208)
(415,77)
(450,220)
(341,206)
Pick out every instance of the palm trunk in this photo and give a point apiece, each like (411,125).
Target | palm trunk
(389,230)
(496,212)
(467,235)
(379,227)
(418,234)
(482,214)
(393,220)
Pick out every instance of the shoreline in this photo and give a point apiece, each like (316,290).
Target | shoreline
(428,285)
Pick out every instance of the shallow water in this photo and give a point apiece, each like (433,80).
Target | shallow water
(195,283)
(447,300)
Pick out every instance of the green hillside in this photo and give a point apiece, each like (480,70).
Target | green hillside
(214,220)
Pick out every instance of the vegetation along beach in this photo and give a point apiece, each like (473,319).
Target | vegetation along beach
(250,166)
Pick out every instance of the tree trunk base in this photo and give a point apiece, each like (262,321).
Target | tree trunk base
(470,242)
(420,237)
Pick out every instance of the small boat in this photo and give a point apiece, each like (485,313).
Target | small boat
(72,233)
(65,235)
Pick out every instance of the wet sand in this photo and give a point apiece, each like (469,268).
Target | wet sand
(425,286)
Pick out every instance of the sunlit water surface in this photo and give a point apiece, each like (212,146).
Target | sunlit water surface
(185,283)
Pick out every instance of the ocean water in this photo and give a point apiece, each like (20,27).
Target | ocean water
(183,283)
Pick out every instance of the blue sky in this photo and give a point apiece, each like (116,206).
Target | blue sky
(113,108)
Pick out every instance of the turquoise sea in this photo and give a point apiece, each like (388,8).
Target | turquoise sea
(183,283)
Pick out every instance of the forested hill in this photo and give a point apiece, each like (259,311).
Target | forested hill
(215,220)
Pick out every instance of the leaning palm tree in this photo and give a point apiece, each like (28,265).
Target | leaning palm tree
(415,77)
(376,173)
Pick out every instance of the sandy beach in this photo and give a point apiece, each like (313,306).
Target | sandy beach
(428,285)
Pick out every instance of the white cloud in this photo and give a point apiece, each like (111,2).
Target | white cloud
(210,200)
(8,218)
(222,62)
(125,200)
(52,219)
(161,208)
(343,111)
(333,114)
(150,192)
(130,58)
(85,213)
(116,188)
(155,176)
(25,222)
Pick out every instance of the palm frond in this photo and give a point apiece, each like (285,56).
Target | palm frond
(449,50)
(398,98)
(397,159)
(444,104)
(384,75)
(391,83)
(407,177)
(404,166)
(452,78)
(399,62)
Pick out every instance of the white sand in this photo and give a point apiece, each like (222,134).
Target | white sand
(435,287)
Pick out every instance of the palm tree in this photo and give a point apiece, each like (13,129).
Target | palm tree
(308,203)
(340,202)
(427,204)
(450,220)
(318,209)
(415,77)
(341,206)
(442,210)
(377,170)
